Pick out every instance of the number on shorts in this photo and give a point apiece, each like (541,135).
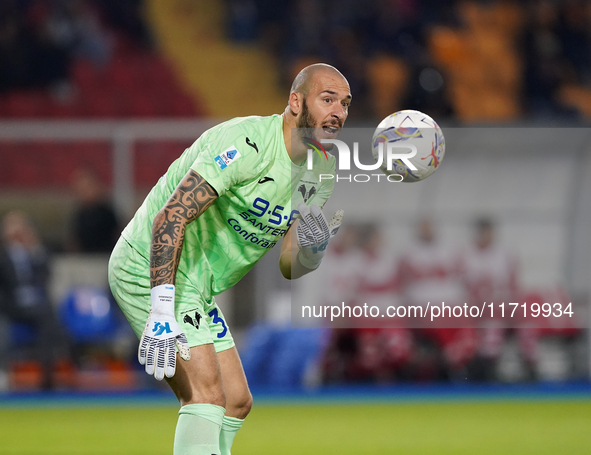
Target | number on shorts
(216,319)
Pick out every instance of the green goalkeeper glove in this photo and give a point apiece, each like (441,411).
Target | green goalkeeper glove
(313,234)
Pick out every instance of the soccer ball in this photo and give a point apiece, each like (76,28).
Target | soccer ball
(411,128)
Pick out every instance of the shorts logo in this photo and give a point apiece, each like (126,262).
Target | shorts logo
(224,159)
(194,321)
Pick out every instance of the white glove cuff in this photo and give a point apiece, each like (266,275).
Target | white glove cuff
(311,265)
(162,298)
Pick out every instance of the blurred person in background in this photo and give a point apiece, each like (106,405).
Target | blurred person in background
(40,40)
(129,17)
(490,274)
(31,54)
(339,282)
(339,279)
(24,273)
(429,271)
(549,62)
(575,35)
(15,65)
(95,226)
(383,354)
(76,26)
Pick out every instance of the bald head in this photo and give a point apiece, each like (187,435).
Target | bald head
(318,105)
(17,228)
(303,81)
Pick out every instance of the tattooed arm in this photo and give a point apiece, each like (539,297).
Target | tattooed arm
(189,200)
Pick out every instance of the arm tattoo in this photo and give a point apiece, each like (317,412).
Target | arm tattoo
(189,200)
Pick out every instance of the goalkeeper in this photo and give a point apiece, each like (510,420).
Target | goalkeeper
(219,208)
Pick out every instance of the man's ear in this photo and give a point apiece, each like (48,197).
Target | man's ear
(295,102)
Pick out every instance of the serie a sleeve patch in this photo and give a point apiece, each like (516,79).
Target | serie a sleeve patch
(227,157)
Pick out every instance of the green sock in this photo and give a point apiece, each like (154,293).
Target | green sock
(230,427)
(198,430)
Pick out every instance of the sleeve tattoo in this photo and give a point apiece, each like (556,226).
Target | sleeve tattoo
(189,200)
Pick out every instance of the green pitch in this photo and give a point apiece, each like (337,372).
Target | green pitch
(546,427)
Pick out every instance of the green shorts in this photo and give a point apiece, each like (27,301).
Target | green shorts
(129,279)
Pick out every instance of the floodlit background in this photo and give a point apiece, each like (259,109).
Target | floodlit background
(98,97)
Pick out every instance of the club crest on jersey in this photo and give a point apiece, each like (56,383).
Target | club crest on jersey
(224,159)
(306,193)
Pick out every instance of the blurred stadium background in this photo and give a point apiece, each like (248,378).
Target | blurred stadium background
(98,97)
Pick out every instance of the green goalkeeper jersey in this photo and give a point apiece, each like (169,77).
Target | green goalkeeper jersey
(259,188)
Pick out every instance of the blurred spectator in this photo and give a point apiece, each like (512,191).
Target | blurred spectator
(95,225)
(41,59)
(376,269)
(531,57)
(243,20)
(39,40)
(340,280)
(575,35)
(546,66)
(429,271)
(427,91)
(76,26)
(15,63)
(379,45)
(383,354)
(24,272)
(129,17)
(489,270)
(490,275)
(361,273)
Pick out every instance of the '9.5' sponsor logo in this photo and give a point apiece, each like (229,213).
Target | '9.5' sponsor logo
(261,206)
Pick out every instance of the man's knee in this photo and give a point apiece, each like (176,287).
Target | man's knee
(247,405)
(191,390)
(199,379)
(241,406)
(210,395)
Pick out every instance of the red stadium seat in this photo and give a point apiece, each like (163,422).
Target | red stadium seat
(9,155)
(135,84)
(101,104)
(86,75)
(142,106)
(3,106)
(121,74)
(27,172)
(183,106)
(153,159)
(50,164)
(26,104)
(67,110)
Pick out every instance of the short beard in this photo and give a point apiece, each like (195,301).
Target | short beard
(306,123)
